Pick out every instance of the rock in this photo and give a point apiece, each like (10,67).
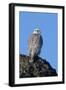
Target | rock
(39,68)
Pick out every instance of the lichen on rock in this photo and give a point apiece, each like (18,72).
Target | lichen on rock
(38,68)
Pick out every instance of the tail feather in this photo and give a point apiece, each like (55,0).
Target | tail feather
(31,60)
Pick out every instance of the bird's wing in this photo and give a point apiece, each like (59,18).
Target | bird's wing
(30,42)
(41,41)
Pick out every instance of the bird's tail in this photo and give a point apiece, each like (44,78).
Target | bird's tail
(31,59)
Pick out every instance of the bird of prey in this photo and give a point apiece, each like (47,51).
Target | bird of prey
(35,43)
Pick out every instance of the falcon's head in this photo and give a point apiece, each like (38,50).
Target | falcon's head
(36,31)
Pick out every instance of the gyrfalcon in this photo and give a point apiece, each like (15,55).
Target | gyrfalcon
(35,43)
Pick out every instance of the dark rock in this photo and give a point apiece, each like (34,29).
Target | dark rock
(39,68)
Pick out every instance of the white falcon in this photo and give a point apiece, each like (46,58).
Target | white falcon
(35,43)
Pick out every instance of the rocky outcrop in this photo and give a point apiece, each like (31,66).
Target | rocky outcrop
(39,68)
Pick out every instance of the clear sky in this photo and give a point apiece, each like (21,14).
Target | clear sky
(47,22)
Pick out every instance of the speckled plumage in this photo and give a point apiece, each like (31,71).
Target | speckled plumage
(35,43)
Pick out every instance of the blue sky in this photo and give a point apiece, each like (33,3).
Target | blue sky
(47,22)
